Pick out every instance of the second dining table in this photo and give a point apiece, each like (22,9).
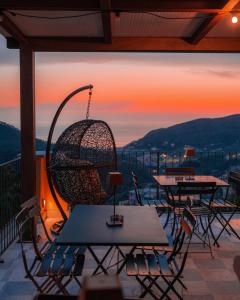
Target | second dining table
(168,182)
(172,180)
(87,227)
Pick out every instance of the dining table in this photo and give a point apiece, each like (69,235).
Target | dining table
(173,180)
(87,226)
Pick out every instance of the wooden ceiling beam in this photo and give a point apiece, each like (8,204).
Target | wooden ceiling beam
(106,20)
(13,30)
(204,6)
(168,5)
(210,22)
(137,44)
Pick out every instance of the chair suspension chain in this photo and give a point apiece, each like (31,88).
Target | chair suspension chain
(89,103)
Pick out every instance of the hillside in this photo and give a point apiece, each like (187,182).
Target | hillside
(10,142)
(204,134)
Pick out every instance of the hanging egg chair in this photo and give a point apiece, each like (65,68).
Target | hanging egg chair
(78,163)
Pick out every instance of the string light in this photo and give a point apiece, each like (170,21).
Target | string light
(117,14)
(13,13)
(234,19)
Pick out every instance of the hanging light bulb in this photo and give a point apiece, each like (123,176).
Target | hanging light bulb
(234,19)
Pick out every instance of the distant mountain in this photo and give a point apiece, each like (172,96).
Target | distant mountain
(10,142)
(203,134)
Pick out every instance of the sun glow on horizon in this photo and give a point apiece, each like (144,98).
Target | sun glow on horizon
(131,90)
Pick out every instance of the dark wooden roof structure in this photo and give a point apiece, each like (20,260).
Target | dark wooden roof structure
(119,25)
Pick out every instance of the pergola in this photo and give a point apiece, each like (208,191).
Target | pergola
(107,25)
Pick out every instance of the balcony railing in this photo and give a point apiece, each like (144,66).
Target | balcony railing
(10,197)
(145,164)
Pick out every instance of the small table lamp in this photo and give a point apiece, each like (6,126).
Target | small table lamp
(115,179)
(189,152)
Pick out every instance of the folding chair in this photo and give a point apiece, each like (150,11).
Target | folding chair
(181,172)
(147,268)
(205,192)
(52,264)
(175,203)
(223,211)
(160,205)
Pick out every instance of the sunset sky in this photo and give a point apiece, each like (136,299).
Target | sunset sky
(133,92)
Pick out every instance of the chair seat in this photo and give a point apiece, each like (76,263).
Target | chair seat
(183,198)
(147,265)
(178,205)
(62,260)
(223,205)
(168,248)
(158,204)
(162,206)
(178,210)
(196,210)
(201,211)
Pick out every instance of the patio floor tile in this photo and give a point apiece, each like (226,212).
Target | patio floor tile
(205,278)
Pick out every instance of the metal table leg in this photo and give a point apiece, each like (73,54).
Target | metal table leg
(99,262)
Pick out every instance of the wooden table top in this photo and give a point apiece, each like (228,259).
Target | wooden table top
(171,181)
(87,226)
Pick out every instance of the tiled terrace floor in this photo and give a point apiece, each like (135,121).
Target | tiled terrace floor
(206,278)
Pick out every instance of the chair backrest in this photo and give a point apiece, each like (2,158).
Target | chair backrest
(180,171)
(25,221)
(184,236)
(29,210)
(187,225)
(191,219)
(196,188)
(136,189)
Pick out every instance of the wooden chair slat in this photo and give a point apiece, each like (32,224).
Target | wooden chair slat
(71,250)
(130,265)
(61,250)
(190,217)
(154,269)
(67,265)
(186,227)
(56,264)
(141,265)
(79,263)
(45,265)
(81,250)
(50,259)
(164,267)
(52,249)
(146,248)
